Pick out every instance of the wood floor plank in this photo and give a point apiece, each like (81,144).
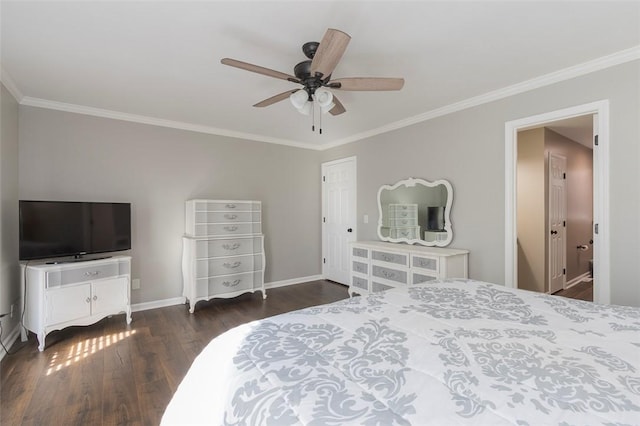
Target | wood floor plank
(126,374)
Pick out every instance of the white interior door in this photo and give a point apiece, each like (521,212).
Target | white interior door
(557,222)
(338,217)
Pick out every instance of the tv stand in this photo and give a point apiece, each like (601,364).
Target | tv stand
(75,293)
(76,259)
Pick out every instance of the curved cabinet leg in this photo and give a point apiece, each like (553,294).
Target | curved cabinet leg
(128,314)
(264,295)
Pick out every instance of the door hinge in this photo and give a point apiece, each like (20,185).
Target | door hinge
(564,176)
(595,228)
(564,271)
(324,220)
(324,178)
(564,223)
(595,140)
(324,260)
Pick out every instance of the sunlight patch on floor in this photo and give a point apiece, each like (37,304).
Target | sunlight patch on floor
(81,350)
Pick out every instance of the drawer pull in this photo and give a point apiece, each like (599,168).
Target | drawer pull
(230,206)
(88,300)
(230,228)
(95,298)
(232,265)
(404,214)
(91,273)
(230,216)
(233,246)
(386,258)
(231,283)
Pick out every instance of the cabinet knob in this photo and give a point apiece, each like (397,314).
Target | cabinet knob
(88,300)
(350,230)
(95,298)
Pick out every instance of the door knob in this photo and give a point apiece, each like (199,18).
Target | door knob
(350,230)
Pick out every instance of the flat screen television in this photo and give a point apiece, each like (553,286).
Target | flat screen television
(51,229)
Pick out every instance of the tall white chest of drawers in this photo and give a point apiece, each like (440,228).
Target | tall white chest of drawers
(223,250)
(378,266)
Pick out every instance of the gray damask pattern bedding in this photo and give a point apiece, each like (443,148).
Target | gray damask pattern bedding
(444,353)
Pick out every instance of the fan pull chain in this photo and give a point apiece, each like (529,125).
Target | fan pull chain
(320,120)
(313,118)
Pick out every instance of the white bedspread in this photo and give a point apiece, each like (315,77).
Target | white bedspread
(445,353)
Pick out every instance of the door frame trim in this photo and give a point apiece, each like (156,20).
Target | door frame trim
(601,206)
(323,166)
(548,224)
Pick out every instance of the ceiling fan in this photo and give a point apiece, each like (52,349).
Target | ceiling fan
(314,75)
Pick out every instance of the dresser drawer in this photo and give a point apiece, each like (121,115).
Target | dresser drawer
(426,263)
(412,233)
(403,221)
(360,267)
(227,217)
(227,265)
(400,259)
(380,287)
(227,229)
(228,284)
(403,210)
(360,252)
(228,206)
(360,283)
(230,247)
(389,274)
(76,275)
(421,278)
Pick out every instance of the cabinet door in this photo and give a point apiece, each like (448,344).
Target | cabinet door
(110,296)
(68,303)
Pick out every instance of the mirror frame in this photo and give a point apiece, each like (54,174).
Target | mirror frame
(410,183)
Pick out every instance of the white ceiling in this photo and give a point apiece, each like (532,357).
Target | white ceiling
(578,129)
(160,61)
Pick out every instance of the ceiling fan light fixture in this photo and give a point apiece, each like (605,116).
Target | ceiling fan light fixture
(324,98)
(299,99)
(306,108)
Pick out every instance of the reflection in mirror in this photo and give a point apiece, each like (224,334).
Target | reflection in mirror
(416,211)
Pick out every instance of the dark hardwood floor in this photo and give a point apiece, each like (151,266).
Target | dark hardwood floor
(111,374)
(583,291)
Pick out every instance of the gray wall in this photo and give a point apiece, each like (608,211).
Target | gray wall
(9,269)
(67,156)
(467,148)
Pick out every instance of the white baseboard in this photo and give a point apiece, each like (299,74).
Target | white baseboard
(181,300)
(284,283)
(145,306)
(576,280)
(9,340)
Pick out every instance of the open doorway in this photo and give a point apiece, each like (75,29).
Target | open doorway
(600,205)
(554,198)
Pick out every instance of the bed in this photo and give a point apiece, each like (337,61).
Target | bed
(446,353)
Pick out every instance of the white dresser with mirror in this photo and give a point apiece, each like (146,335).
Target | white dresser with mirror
(414,226)
(223,250)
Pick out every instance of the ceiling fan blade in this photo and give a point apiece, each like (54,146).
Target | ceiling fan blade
(369,83)
(277,98)
(329,52)
(338,109)
(258,69)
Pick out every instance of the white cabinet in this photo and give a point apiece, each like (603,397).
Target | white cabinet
(223,250)
(78,293)
(402,221)
(377,266)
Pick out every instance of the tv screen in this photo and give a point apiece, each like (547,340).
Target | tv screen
(68,228)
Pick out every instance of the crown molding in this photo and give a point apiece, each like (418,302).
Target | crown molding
(621,57)
(598,64)
(11,86)
(116,115)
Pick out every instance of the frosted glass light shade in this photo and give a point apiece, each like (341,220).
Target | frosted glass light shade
(323,97)
(299,99)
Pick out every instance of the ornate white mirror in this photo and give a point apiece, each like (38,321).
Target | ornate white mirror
(416,211)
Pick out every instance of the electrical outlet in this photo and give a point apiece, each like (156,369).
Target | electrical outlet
(135,284)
